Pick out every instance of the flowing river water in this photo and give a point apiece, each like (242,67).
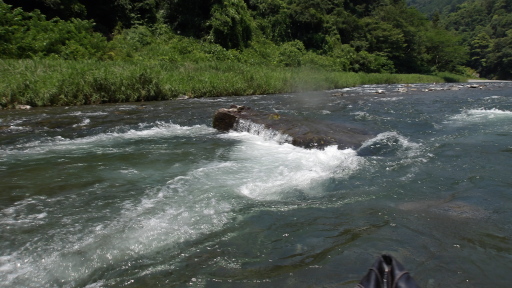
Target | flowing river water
(149,195)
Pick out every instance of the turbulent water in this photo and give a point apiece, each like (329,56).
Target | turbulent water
(133,195)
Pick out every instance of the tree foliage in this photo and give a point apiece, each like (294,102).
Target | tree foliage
(28,35)
(188,17)
(431,7)
(231,24)
(64,9)
(486,29)
(340,35)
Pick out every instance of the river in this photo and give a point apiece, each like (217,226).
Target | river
(149,195)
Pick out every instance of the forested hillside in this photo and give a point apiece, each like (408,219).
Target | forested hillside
(485,27)
(359,35)
(431,7)
(239,47)
(486,30)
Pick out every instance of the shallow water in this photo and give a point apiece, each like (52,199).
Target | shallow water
(149,195)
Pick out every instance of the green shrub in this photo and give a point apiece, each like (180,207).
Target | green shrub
(30,35)
(371,63)
(231,24)
(290,54)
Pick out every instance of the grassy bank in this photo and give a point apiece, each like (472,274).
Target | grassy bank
(59,82)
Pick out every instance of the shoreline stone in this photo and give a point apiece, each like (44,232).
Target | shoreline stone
(23,107)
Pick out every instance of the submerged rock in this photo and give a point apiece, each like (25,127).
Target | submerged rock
(447,207)
(302,132)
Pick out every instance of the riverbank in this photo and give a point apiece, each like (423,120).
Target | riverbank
(63,83)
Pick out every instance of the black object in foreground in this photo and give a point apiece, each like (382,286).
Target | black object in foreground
(387,272)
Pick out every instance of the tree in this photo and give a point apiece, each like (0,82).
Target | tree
(383,38)
(64,9)
(480,48)
(189,17)
(106,14)
(30,35)
(485,27)
(231,24)
(500,57)
(444,52)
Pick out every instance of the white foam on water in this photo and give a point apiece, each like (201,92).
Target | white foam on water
(69,252)
(196,203)
(365,116)
(479,115)
(268,170)
(147,131)
(388,98)
(394,140)
(80,113)
(14,126)
(98,284)
(260,130)
(483,119)
(85,122)
(18,128)
(25,213)
(183,209)
(403,151)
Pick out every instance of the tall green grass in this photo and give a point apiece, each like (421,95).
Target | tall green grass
(48,82)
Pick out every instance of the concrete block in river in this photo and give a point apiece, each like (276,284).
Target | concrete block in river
(303,132)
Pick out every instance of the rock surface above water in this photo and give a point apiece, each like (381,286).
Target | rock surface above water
(301,132)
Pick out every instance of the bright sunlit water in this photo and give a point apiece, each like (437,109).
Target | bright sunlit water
(149,195)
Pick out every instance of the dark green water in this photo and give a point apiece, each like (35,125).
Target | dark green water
(133,195)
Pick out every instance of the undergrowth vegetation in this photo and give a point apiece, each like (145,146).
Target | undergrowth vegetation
(56,62)
(62,82)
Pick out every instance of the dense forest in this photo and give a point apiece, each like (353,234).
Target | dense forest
(485,28)
(369,36)
(337,36)
(431,7)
